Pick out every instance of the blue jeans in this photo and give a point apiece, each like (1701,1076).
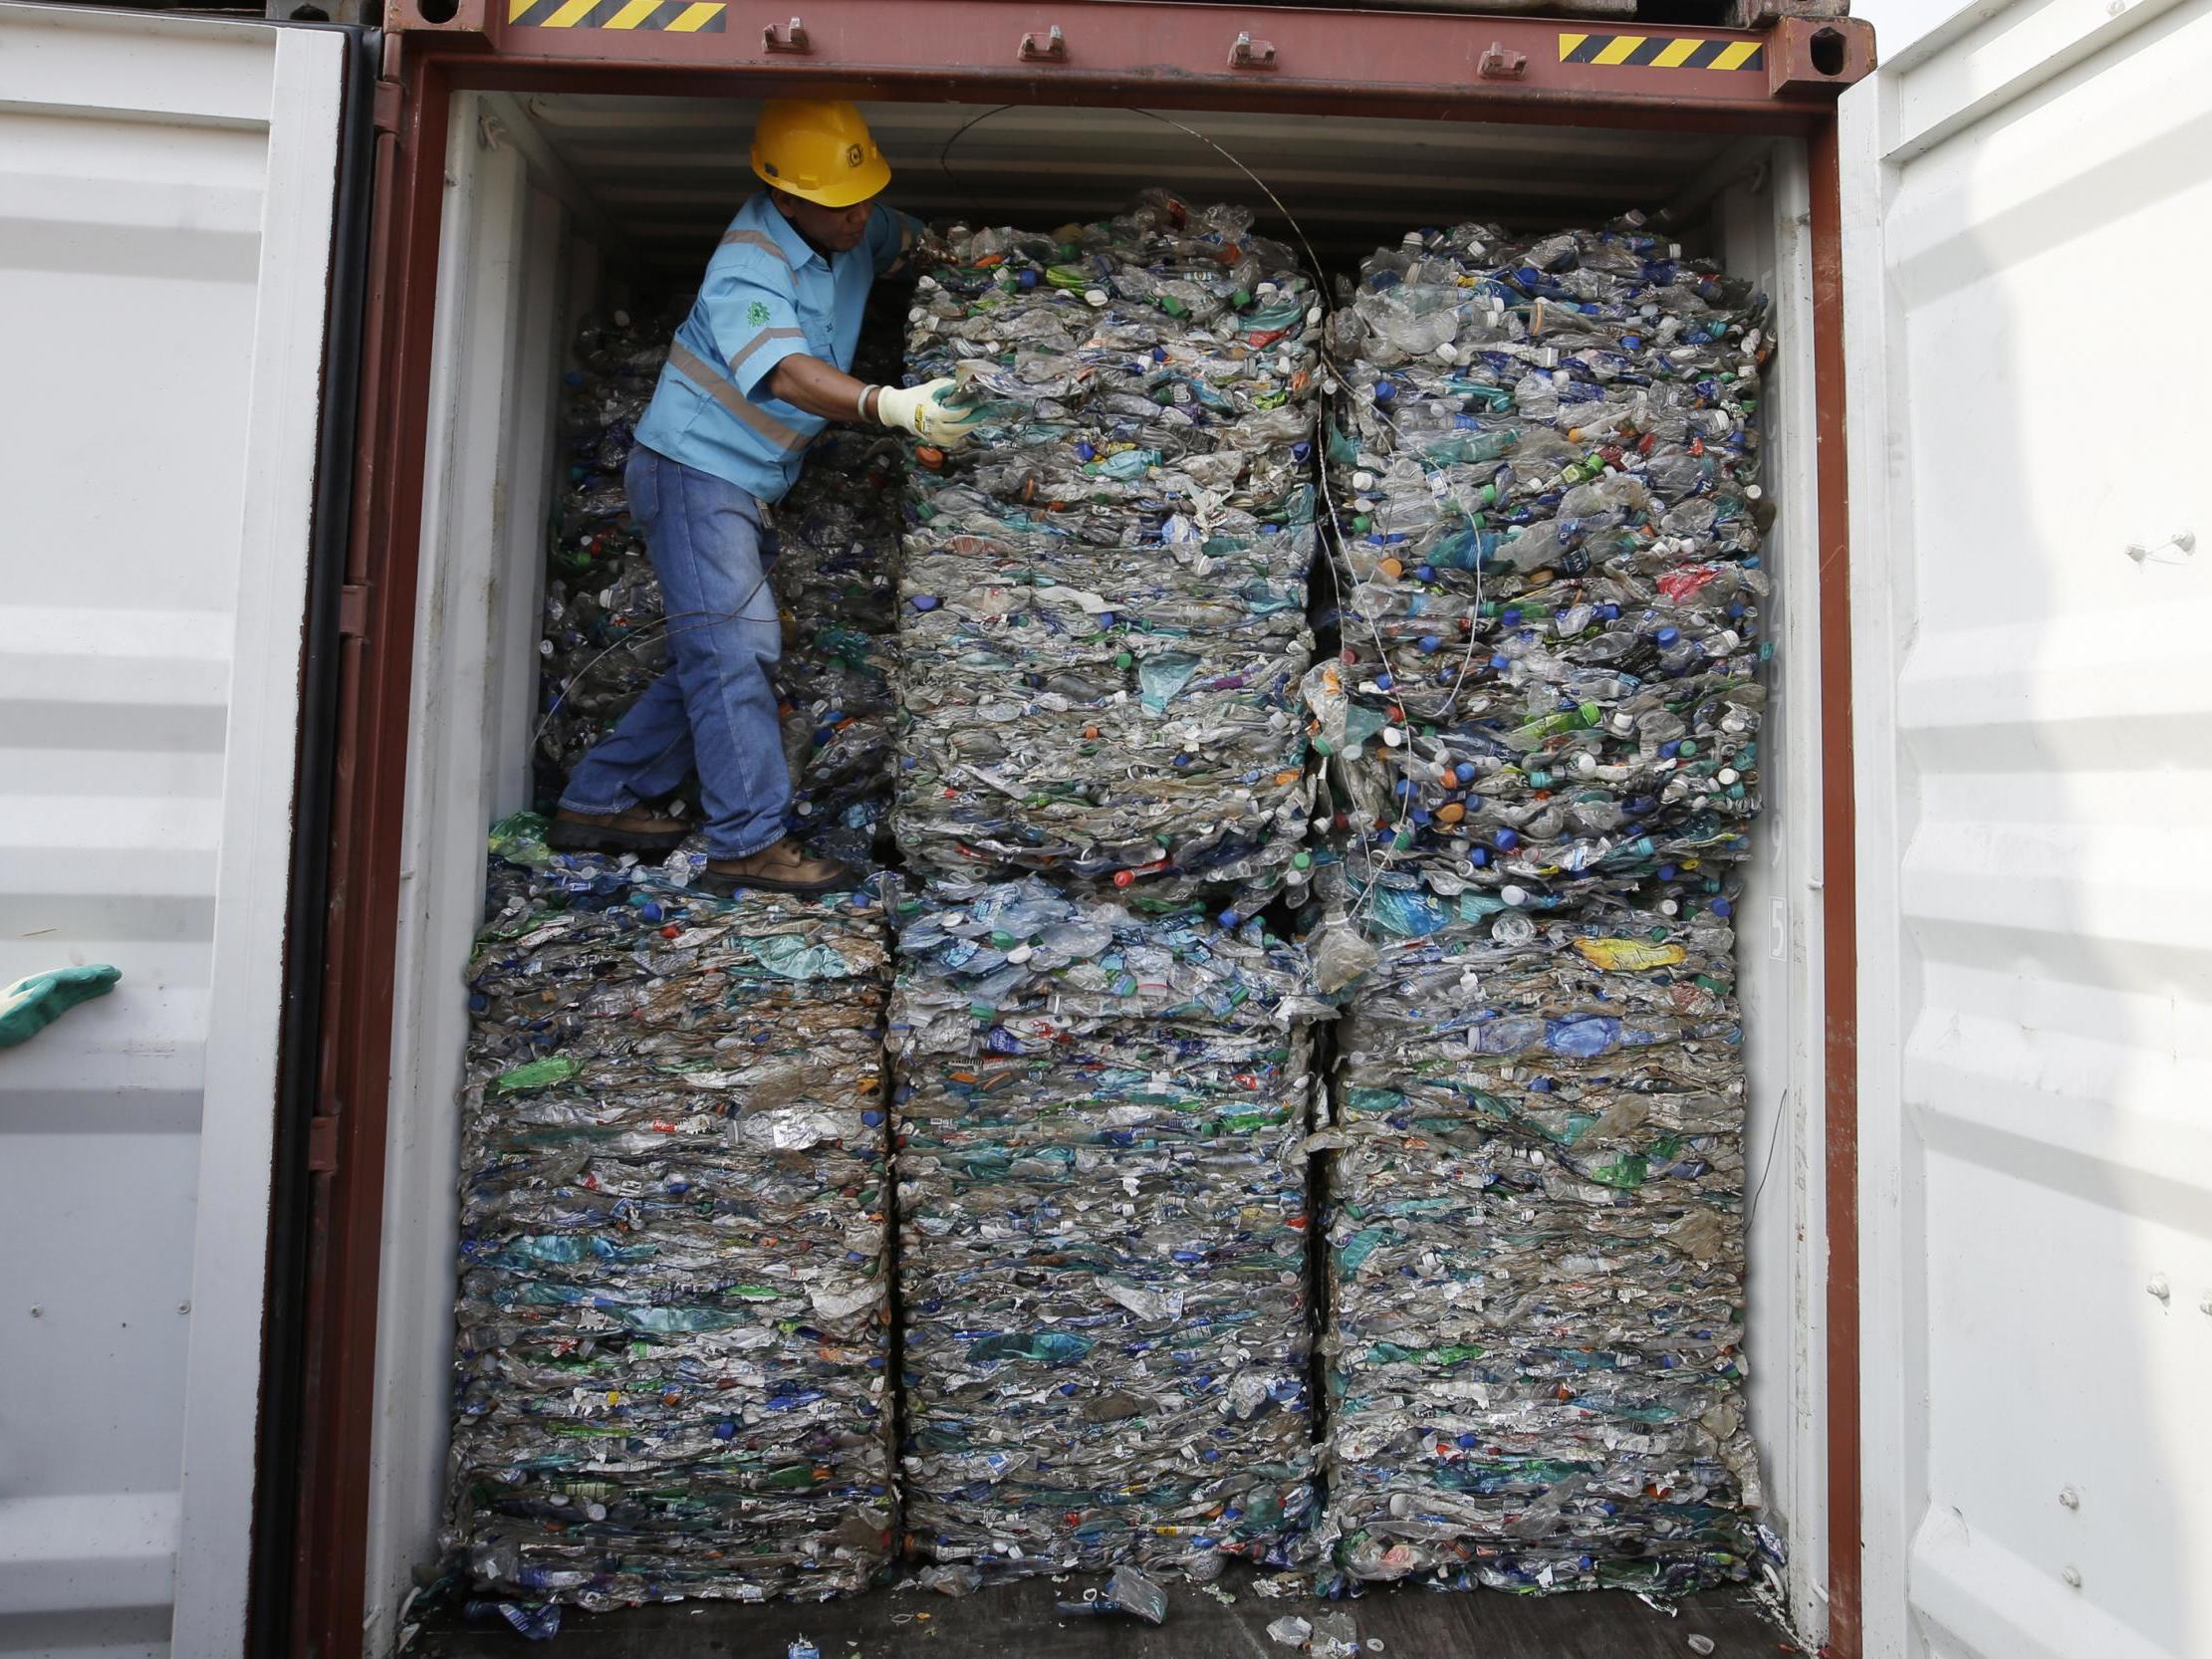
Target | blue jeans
(715,706)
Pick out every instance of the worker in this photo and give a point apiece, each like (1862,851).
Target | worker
(759,366)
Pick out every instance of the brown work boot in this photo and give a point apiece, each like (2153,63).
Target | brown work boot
(786,867)
(635,830)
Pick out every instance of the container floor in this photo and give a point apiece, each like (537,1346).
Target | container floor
(1018,1621)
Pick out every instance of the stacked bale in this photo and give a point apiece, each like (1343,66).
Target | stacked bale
(673,1365)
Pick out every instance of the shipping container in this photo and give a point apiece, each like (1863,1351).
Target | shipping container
(285,312)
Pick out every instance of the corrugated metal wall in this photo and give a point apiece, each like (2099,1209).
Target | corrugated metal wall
(165,238)
(2031,220)
(668,172)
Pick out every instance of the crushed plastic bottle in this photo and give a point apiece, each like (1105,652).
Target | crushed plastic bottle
(1103,602)
(1127,1592)
(1336,1637)
(533,1621)
(1544,476)
(672,1367)
(836,543)
(1102,1200)
(954,1578)
(1536,1248)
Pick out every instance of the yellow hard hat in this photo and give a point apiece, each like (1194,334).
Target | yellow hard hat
(818,149)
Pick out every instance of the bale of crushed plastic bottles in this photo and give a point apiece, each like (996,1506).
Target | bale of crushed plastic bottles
(672,1363)
(1544,472)
(1104,620)
(1535,1248)
(602,642)
(1103,1234)
(836,546)
(836,583)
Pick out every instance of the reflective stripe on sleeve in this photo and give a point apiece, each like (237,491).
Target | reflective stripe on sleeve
(762,339)
(756,239)
(717,386)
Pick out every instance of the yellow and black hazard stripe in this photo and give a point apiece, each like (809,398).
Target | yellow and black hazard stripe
(1662,52)
(676,17)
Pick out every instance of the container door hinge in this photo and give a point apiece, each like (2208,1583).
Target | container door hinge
(1247,53)
(1047,48)
(322,1145)
(792,37)
(353,611)
(1501,62)
(383,106)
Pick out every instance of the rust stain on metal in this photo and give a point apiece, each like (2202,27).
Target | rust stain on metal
(1839,904)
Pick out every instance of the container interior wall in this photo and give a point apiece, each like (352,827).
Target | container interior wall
(551,202)
(1758,217)
(513,270)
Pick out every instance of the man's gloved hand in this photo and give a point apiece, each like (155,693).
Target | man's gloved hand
(927,412)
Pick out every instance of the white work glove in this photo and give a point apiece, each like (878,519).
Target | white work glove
(927,412)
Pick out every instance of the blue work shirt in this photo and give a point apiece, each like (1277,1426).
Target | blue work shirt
(767,295)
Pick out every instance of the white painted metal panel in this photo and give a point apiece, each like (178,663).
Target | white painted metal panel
(500,344)
(2029,222)
(1762,226)
(166,200)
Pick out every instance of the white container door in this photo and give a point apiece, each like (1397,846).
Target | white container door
(2028,267)
(165,216)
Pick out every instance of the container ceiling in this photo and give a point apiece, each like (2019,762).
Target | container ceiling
(668,173)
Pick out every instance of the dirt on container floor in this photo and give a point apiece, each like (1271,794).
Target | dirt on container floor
(1019,1620)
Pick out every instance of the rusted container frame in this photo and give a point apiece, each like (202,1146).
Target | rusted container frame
(1375,64)
(1166,54)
